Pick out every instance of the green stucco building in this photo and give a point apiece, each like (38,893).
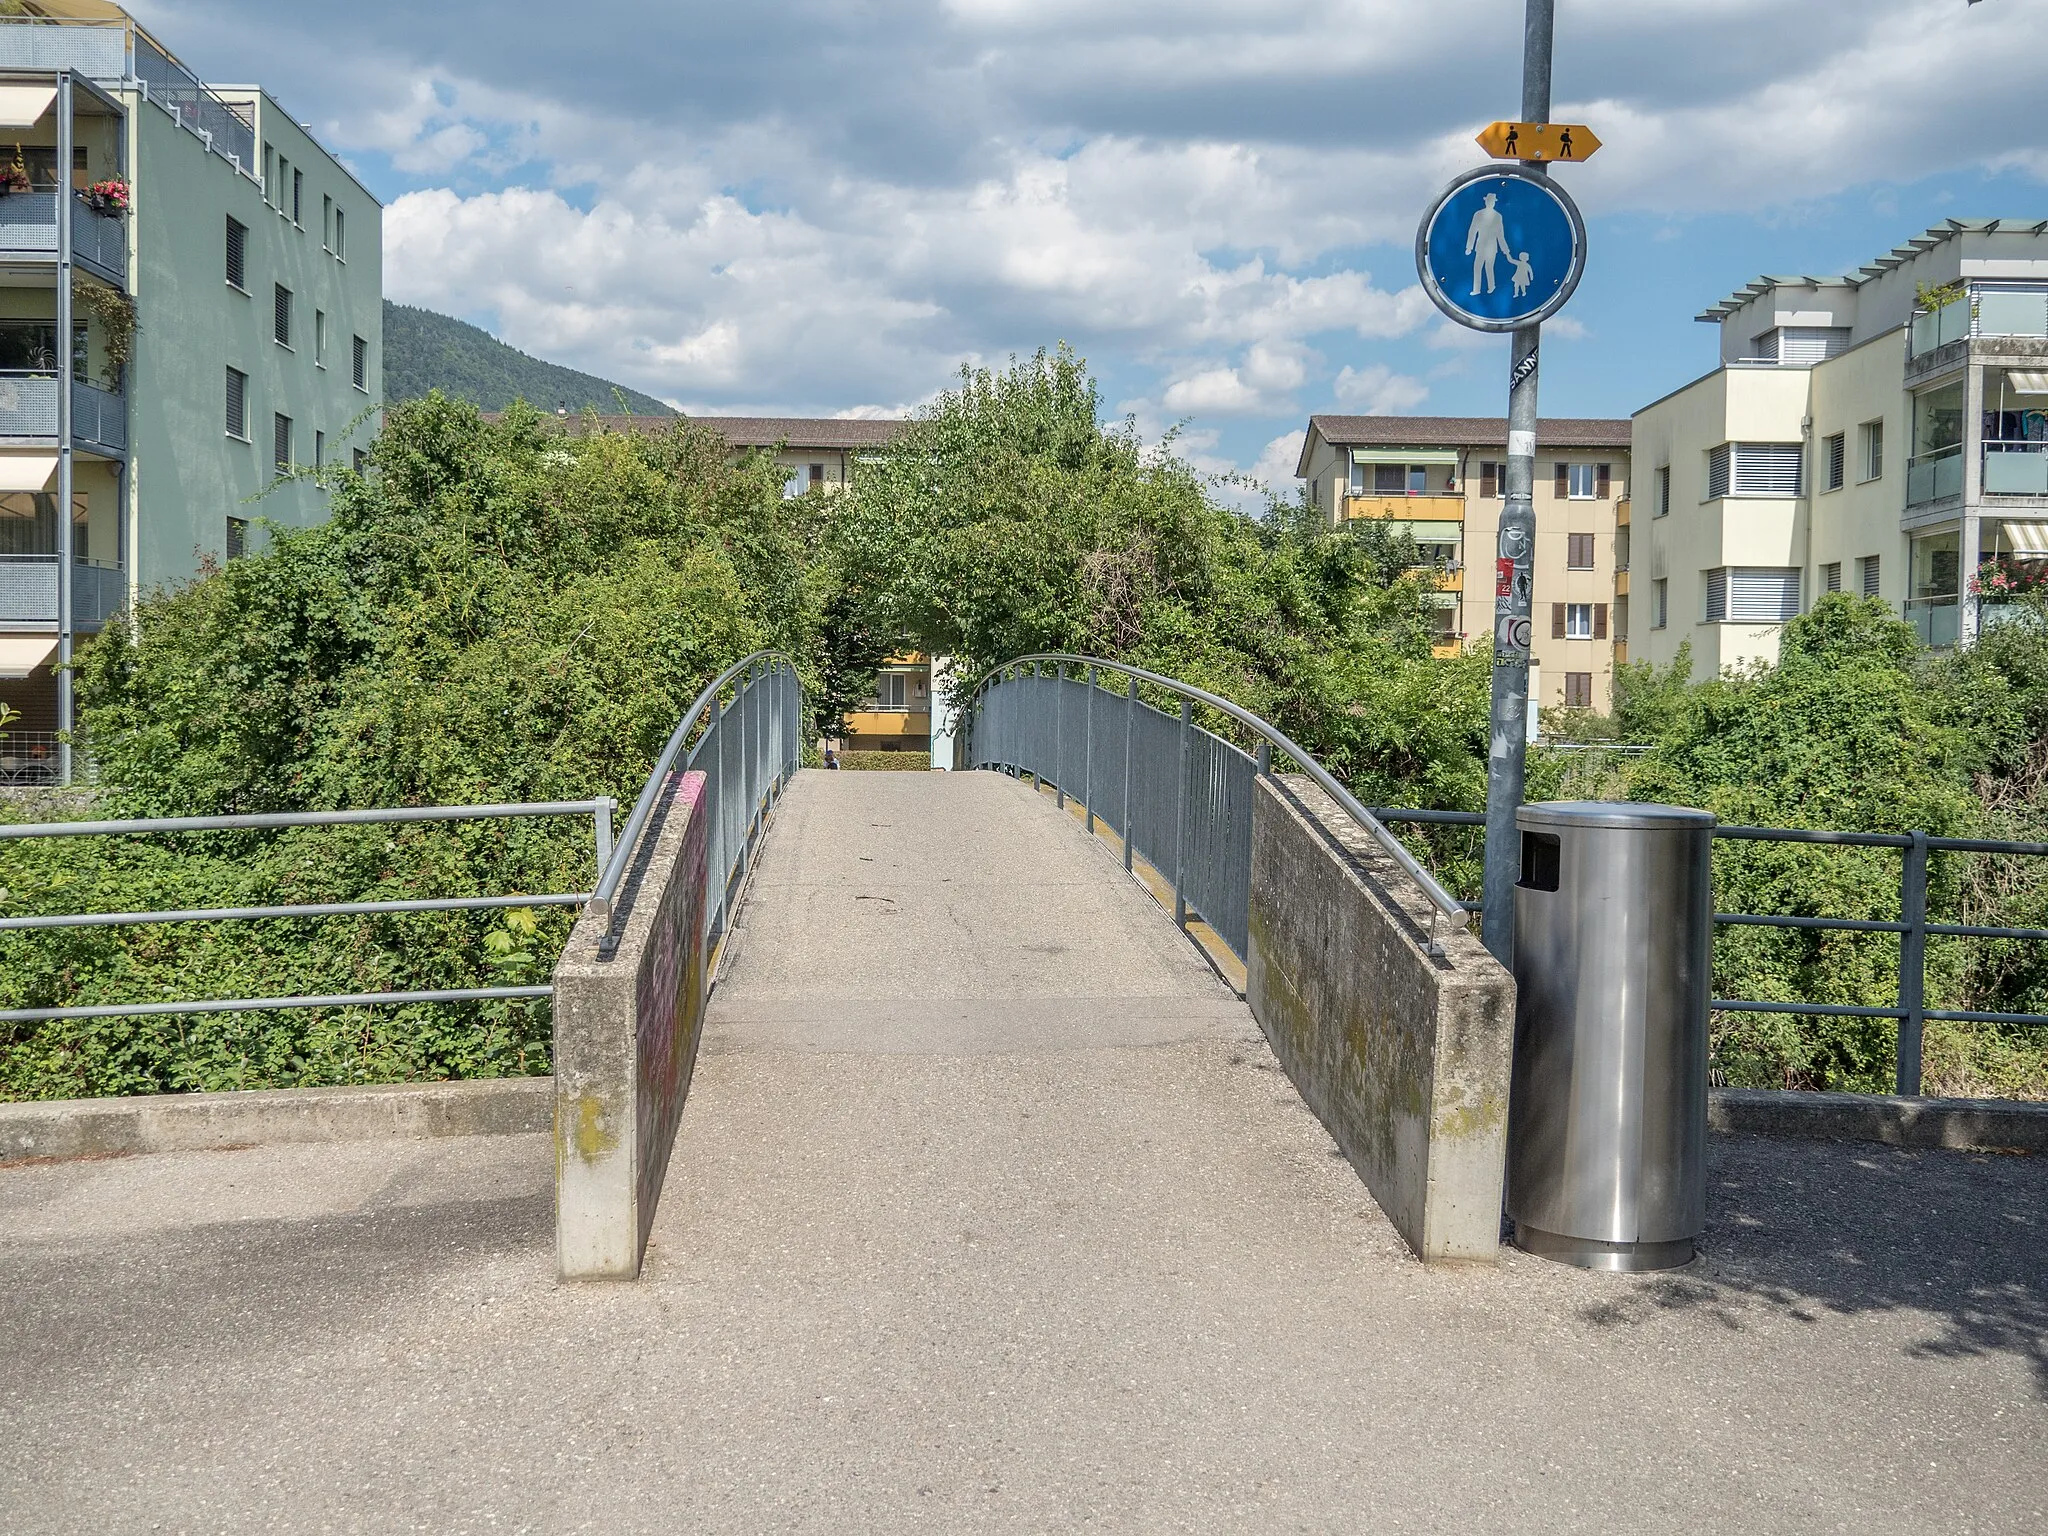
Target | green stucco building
(224,330)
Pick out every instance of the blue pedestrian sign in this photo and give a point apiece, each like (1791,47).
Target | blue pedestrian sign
(1502,247)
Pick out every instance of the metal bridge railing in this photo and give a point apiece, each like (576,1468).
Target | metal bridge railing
(747,747)
(1179,796)
(1913,928)
(600,812)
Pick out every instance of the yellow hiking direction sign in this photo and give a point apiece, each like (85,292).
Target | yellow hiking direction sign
(1538,141)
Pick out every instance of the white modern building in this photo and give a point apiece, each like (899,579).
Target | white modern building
(1884,433)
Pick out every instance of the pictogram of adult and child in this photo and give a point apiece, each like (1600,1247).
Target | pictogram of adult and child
(1485,242)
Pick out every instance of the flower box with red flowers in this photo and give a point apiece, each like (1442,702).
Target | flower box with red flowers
(109,197)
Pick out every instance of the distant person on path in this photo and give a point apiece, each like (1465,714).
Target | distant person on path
(1486,240)
(1524,274)
(831,758)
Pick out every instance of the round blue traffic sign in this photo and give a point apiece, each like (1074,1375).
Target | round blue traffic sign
(1500,248)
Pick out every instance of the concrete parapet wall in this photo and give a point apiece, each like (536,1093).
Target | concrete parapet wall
(626,1035)
(1961,1125)
(209,1122)
(1401,1053)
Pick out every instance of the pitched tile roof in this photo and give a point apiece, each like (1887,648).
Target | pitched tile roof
(1460,432)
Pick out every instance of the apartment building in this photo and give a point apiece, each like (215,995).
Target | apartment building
(220,277)
(1883,433)
(1443,478)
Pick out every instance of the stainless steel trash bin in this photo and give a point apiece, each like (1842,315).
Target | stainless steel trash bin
(1607,1105)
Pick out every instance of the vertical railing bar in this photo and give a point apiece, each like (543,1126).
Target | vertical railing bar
(1059,733)
(1088,757)
(1912,964)
(1180,817)
(601,833)
(1130,724)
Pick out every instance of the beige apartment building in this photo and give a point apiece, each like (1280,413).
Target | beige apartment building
(1884,433)
(1442,478)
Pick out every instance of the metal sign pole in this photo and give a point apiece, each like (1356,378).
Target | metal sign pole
(1507,757)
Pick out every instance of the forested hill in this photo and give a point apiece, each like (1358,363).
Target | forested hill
(424,351)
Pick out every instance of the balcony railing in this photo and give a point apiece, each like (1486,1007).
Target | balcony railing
(179,92)
(28,226)
(1932,476)
(99,52)
(2016,468)
(1935,619)
(28,592)
(28,410)
(1416,506)
(1987,309)
(27,759)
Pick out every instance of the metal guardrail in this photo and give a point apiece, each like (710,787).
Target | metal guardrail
(600,812)
(747,749)
(1179,796)
(180,92)
(1912,926)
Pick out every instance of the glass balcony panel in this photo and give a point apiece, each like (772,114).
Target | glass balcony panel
(1935,619)
(2016,470)
(1933,476)
(2017,313)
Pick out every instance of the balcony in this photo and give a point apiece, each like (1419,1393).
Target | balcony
(2016,468)
(1621,513)
(28,412)
(1937,620)
(28,593)
(1931,476)
(28,228)
(1621,583)
(1421,507)
(1986,309)
(98,52)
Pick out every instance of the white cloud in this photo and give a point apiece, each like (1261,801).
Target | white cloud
(1376,390)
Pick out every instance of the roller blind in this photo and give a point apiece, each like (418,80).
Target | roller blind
(1750,594)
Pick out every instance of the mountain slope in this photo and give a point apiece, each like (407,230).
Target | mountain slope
(425,351)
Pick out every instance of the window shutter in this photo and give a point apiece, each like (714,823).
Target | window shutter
(1603,477)
(281,441)
(237,256)
(1557,621)
(1767,469)
(281,313)
(1837,454)
(1763,595)
(1870,575)
(1599,621)
(238,403)
(362,363)
(1564,481)
(1489,478)
(1831,576)
(1717,595)
(1663,508)
(1717,472)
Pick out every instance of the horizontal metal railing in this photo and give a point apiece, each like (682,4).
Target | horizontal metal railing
(599,810)
(1912,926)
(1179,796)
(747,748)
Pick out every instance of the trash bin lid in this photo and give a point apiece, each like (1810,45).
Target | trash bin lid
(1612,813)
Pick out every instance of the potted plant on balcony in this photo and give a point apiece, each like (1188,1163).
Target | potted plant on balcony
(109,197)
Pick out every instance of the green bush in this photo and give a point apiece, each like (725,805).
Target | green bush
(887,762)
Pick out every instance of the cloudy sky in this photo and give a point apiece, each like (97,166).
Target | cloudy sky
(826,206)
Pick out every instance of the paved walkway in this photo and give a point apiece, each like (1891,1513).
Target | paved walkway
(991,1212)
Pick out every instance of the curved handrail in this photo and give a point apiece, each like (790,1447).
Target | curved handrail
(1452,909)
(614,874)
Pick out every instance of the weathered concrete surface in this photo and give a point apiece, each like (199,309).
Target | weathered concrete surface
(199,1122)
(1403,1054)
(627,1030)
(1016,1278)
(1965,1125)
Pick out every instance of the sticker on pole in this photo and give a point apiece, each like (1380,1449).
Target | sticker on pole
(1501,247)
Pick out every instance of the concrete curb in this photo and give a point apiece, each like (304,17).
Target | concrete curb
(1962,1125)
(201,1122)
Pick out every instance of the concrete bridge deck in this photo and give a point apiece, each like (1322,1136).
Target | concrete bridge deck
(991,1212)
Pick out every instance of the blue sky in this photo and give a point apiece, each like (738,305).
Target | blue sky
(827,206)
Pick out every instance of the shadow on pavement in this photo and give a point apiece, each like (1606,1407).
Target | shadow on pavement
(1828,1227)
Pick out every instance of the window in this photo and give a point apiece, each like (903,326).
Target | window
(238,255)
(1831,576)
(1418,479)
(1660,603)
(360,364)
(1571,621)
(1872,457)
(238,404)
(1581,482)
(340,246)
(1389,479)
(1621,618)
(281,314)
(1835,451)
(319,338)
(1491,480)
(1621,548)
(817,474)
(30,346)
(892,691)
(1357,478)
(269,175)
(1578,690)
(1578,551)
(1867,575)
(281,442)
(326,223)
(238,537)
(28,524)
(1746,594)
(1753,469)
(1661,504)
(298,190)
(1800,346)
(319,449)
(358,460)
